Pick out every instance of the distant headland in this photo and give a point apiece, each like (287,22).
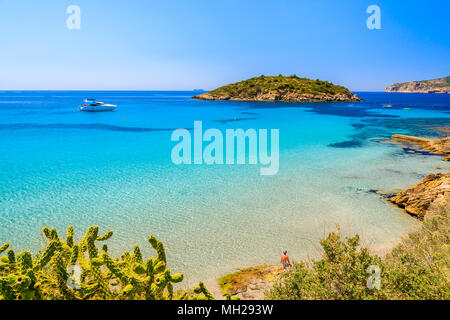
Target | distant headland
(280,88)
(441,85)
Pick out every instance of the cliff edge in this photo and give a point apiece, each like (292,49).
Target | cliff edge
(441,85)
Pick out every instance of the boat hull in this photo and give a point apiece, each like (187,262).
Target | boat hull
(98,108)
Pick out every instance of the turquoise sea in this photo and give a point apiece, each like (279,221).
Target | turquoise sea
(60,166)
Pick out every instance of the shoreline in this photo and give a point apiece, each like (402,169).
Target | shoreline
(258,287)
(426,197)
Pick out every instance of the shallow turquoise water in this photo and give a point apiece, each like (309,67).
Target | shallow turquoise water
(60,166)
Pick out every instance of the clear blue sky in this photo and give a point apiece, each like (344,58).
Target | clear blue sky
(180,44)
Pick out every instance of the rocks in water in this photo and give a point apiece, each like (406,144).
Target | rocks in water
(384,194)
(347,144)
(250,283)
(437,146)
(429,194)
(433,191)
(442,129)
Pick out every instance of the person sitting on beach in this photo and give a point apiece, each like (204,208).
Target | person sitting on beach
(285,262)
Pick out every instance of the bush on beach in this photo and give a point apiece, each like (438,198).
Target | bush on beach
(418,268)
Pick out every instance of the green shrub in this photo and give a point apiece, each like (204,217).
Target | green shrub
(340,274)
(418,268)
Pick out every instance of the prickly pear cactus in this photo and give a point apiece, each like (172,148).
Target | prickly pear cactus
(69,270)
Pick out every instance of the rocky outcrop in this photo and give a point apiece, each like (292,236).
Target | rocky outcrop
(281,95)
(250,283)
(429,194)
(438,146)
(441,85)
(442,129)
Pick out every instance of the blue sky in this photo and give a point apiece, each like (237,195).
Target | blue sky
(180,44)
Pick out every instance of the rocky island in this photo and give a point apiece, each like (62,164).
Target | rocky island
(280,88)
(441,85)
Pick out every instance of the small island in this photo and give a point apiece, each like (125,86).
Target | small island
(281,88)
(441,85)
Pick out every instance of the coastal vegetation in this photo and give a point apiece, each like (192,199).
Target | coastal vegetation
(417,268)
(74,271)
(280,88)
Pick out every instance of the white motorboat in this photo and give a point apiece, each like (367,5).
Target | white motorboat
(93,105)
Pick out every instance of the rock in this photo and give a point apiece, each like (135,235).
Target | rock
(237,289)
(442,129)
(385,194)
(282,96)
(250,283)
(441,85)
(430,193)
(438,146)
